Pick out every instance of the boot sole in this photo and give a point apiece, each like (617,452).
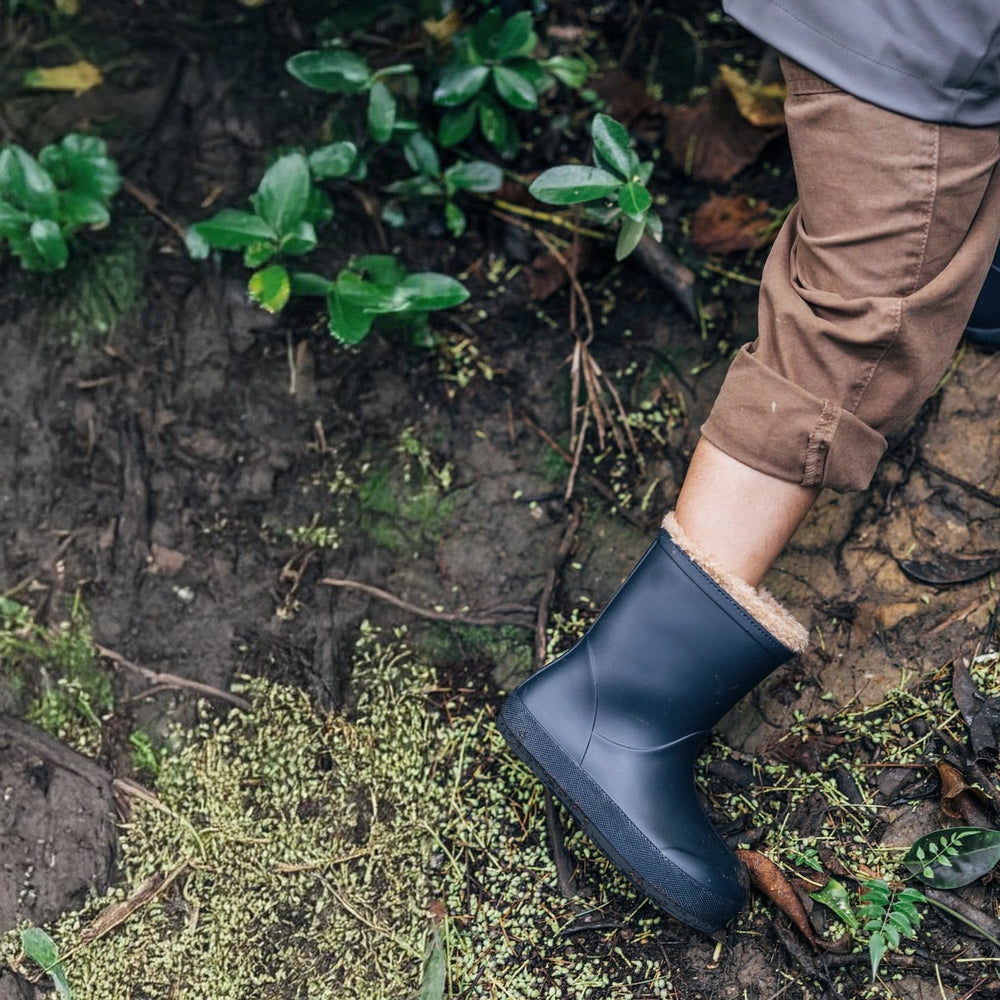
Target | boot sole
(618,838)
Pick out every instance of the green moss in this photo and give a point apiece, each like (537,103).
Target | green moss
(102,284)
(310,855)
(68,693)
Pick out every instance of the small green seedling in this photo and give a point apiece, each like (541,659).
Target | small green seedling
(377,285)
(889,915)
(286,209)
(618,177)
(340,71)
(41,949)
(494,68)
(431,182)
(44,202)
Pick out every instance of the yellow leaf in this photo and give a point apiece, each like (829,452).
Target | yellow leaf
(78,77)
(444,31)
(68,7)
(760,104)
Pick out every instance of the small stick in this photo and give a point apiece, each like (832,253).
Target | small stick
(172,680)
(150,204)
(438,616)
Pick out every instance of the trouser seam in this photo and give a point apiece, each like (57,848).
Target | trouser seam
(915,285)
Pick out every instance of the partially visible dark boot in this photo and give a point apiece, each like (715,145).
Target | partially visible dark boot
(614,726)
(983,328)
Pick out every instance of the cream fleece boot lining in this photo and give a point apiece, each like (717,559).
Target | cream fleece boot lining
(756,600)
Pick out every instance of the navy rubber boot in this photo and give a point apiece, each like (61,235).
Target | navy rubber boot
(614,726)
(983,328)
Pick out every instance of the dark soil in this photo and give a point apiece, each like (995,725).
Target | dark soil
(159,474)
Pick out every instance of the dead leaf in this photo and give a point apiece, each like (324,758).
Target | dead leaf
(761,104)
(117,913)
(77,77)
(443,31)
(768,879)
(626,97)
(711,140)
(942,572)
(729,224)
(981,714)
(546,275)
(959,799)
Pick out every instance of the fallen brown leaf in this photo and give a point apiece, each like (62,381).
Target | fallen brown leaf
(729,224)
(959,799)
(761,104)
(768,879)
(711,140)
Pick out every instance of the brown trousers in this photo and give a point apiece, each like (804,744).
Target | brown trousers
(867,289)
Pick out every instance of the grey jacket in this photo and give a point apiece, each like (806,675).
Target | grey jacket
(937,60)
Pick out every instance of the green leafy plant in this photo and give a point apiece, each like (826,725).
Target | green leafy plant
(947,859)
(431,182)
(338,70)
(286,209)
(494,69)
(41,949)
(890,914)
(44,202)
(145,754)
(618,177)
(377,285)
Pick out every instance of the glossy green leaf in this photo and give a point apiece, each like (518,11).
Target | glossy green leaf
(345,320)
(76,209)
(333,160)
(568,185)
(493,121)
(258,254)
(320,207)
(307,283)
(421,155)
(368,296)
(456,124)
(300,240)
(41,949)
(947,859)
(454,219)
(474,175)
(515,88)
(338,71)
(270,288)
(80,163)
(396,69)
(381,112)
(50,244)
(12,219)
(654,226)
(485,34)
(430,290)
(628,237)
(282,196)
(572,72)
(634,200)
(835,897)
(460,85)
(381,268)
(233,229)
(612,142)
(26,185)
(416,187)
(516,37)
(876,951)
(434,980)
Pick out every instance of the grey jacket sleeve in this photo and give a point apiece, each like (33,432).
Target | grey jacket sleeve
(936,60)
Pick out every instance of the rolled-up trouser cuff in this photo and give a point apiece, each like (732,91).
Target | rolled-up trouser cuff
(765,421)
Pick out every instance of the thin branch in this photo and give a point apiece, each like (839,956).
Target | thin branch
(439,616)
(173,680)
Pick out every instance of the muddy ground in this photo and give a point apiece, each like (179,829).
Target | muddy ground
(170,477)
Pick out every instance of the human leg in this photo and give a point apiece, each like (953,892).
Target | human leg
(861,307)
